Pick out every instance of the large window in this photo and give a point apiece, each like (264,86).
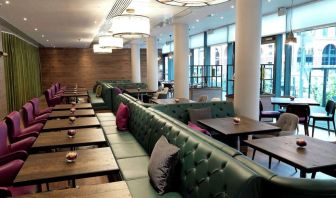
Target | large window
(329,55)
(199,56)
(218,56)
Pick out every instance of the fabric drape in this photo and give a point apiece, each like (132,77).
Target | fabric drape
(22,71)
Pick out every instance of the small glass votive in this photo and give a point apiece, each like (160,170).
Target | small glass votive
(71,156)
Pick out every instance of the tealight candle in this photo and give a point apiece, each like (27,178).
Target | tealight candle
(236,120)
(71,156)
(72,118)
(71,133)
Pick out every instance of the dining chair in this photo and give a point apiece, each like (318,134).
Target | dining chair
(303,112)
(15,133)
(29,118)
(202,98)
(288,123)
(51,101)
(328,116)
(267,114)
(36,106)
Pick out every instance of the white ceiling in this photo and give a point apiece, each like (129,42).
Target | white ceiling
(75,23)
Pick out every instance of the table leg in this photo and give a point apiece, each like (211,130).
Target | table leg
(303,174)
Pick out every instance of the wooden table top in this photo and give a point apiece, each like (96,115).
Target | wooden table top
(107,190)
(68,106)
(246,126)
(67,113)
(171,101)
(83,137)
(51,167)
(286,101)
(62,124)
(141,91)
(317,155)
(75,94)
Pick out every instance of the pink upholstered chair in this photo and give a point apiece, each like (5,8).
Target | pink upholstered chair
(29,118)
(36,106)
(51,101)
(15,133)
(11,150)
(9,170)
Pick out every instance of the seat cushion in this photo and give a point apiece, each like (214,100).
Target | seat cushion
(112,130)
(122,117)
(141,188)
(126,150)
(133,168)
(121,138)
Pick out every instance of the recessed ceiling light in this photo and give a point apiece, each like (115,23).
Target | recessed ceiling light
(47,40)
(35,29)
(193,27)
(42,35)
(221,17)
(25,19)
(197,20)
(7,2)
(211,15)
(269,1)
(95,22)
(232,6)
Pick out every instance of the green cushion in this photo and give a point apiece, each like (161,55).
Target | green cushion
(133,168)
(111,118)
(99,89)
(108,123)
(112,130)
(141,188)
(105,114)
(126,150)
(120,138)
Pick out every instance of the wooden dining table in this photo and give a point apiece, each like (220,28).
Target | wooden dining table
(282,101)
(318,155)
(61,107)
(60,139)
(139,92)
(107,190)
(172,101)
(233,133)
(62,124)
(67,113)
(52,167)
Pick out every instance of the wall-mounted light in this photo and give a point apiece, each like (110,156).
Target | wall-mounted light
(3,53)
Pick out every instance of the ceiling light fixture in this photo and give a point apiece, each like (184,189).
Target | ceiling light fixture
(7,2)
(197,20)
(130,25)
(232,6)
(191,3)
(99,50)
(42,35)
(290,38)
(25,19)
(35,29)
(108,41)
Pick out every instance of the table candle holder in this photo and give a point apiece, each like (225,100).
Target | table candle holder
(73,104)
(71,156)
(292,98)
(177,100)
(72,119)
(301,142)
(71,133)
(236,120)
(72,110)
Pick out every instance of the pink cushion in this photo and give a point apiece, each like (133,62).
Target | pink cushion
(122,117)
(197,128)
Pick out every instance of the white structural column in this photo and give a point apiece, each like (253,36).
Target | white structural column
(152,63)
(247,58)
(135,61)
(181,64)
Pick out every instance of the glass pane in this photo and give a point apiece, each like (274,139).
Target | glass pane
(331,85)
(316,90)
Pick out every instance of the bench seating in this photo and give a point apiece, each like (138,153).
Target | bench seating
(209,168)
(103,102)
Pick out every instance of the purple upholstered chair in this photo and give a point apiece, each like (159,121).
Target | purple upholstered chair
(51,101)
(29,118)
(8,171)
(36,106)
(13,150)
(15,133)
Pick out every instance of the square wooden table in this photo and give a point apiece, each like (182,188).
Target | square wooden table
(75,94)
(234,132)
(67,113)
(83,137)
(52,167)
(107,190)
(62,124)
(139,92)
(286,101)
(317,156)
(172,101)
(62,107)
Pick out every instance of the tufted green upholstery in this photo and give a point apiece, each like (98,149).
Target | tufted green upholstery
(127,150)
(180,111)
(103,102)
(133,167)
(121,137)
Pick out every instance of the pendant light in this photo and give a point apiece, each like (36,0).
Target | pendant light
(108,41)
(290,38)
(99,50)
(191,3)
(171,54)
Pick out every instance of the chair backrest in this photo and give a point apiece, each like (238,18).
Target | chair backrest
(36,105)
(3,138)
(47,95)
(330,107)
(202,98)
(301,110)
(261,107)
(13,124)
(288,123)
(28,114)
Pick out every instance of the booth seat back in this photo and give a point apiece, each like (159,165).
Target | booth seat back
(107,95)
(204,170)
(180,111)
(129,85)
(112,81)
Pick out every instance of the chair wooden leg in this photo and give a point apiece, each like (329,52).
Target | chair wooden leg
(328,128)
(334,126)
(306,129)
(313,127)
(269,162)
(313,175)
(253,155)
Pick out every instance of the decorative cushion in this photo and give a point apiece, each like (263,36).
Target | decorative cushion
(197,128)
(99,90)
(199,114)
(162,165)
(122,117)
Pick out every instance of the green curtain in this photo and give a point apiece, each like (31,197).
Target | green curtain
(22,71)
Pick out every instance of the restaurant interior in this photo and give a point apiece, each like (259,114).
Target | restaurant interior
(168,98)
